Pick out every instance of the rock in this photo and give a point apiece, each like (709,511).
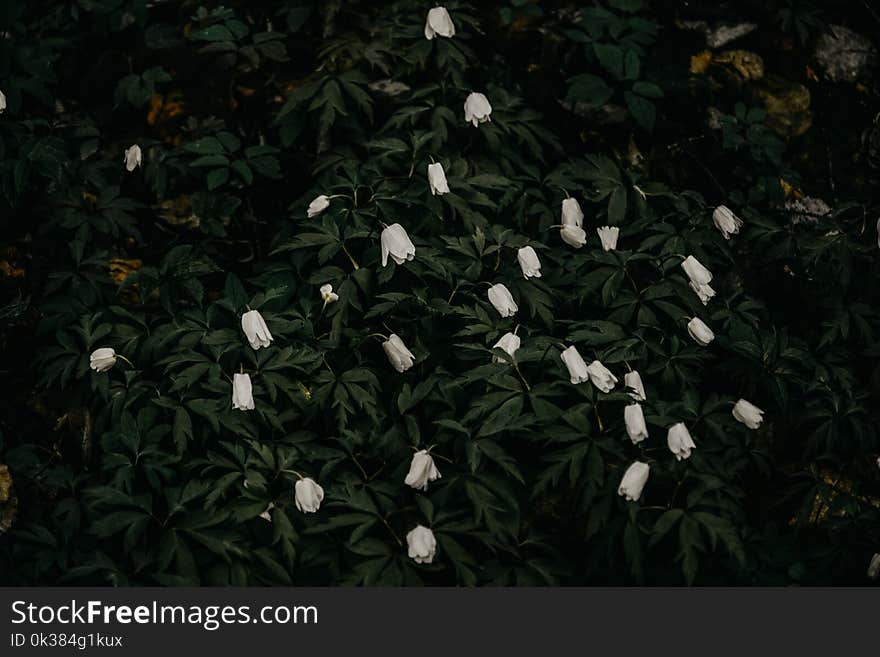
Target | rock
(845,55)
(806,210)
(720,35)
(389,87)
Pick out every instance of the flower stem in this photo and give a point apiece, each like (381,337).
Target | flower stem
(353,261)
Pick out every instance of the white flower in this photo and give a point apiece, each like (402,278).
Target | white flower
(309,495)
(634,381)
(699,278)
(695,271)
(328,295)
(577,368)
(634,480)
(572,215)
(255,329)
(318,205)
(133,157)
(242,392)
(396,243)
(573,236)
(477,109)
(265,515)
(421,471)
(2,102)
(874,567)
(509,343)
(701,333)
(608,236)
(437,179)
(439,24)
(421,544)
(725,221)
(749,414)
(679,440)
(601,377)
(634,419)
(528,262)
(501,298)
(102,359)
(398,355)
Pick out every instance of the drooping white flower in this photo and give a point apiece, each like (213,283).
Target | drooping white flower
(634,480)
(679,440)
(421,471)
(577,368)
(509,343)
(255,329)
(634,381)
(634,419)
(439,23)
(266,515)
(242,392)
(874,567)
(328,295)
(133,157)
(318,205)
(421,544)
(701,333)
(573,236)
(528,262)
(399,356)
(396,243)
(102,359)
(309,495)
(502,299)
(699,278)
(747,413)
(608,236)
(601,376)
(726,221)
(2,102)
(437,179)
(477,109)
(572,215)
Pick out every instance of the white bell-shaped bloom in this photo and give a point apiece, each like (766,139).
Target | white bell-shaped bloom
(309,495)
(634,419)
(421,471)
(577,368)
(477,109)
(528,262)
(318,205)
(601,377)
(328,295)
(396,243)
(255,329)
(634,480)
(874,567)
(2,102)
(573,236)
(399,356)
(242,392)
(267,515)
(701,333)
(421,544)
(634,381)
(608,236)
(102,359)
(695,271)
(679,440)
(572,215)
(133,157)
(437,179)
(439,23)
(726,221)
(747,413)
(502,299)
(705,292)
(509,343)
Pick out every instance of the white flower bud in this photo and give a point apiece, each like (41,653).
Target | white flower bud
(634,381)
(747,413)
(634,480)
(242,392)
(477,109)
(701,333)
(437,179)
(328,295)
(572,215)
(634,419)
(726,221)
(255,329)
(421,471)
(577,368)
(399,356)
(439,23)
(421,544)
(528,262)
(509,343)
(501,298)
(396,243)
(309,495)
(133,157)
(608,237)
(601,377)
(102,359)
(318,205)
(679,440)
